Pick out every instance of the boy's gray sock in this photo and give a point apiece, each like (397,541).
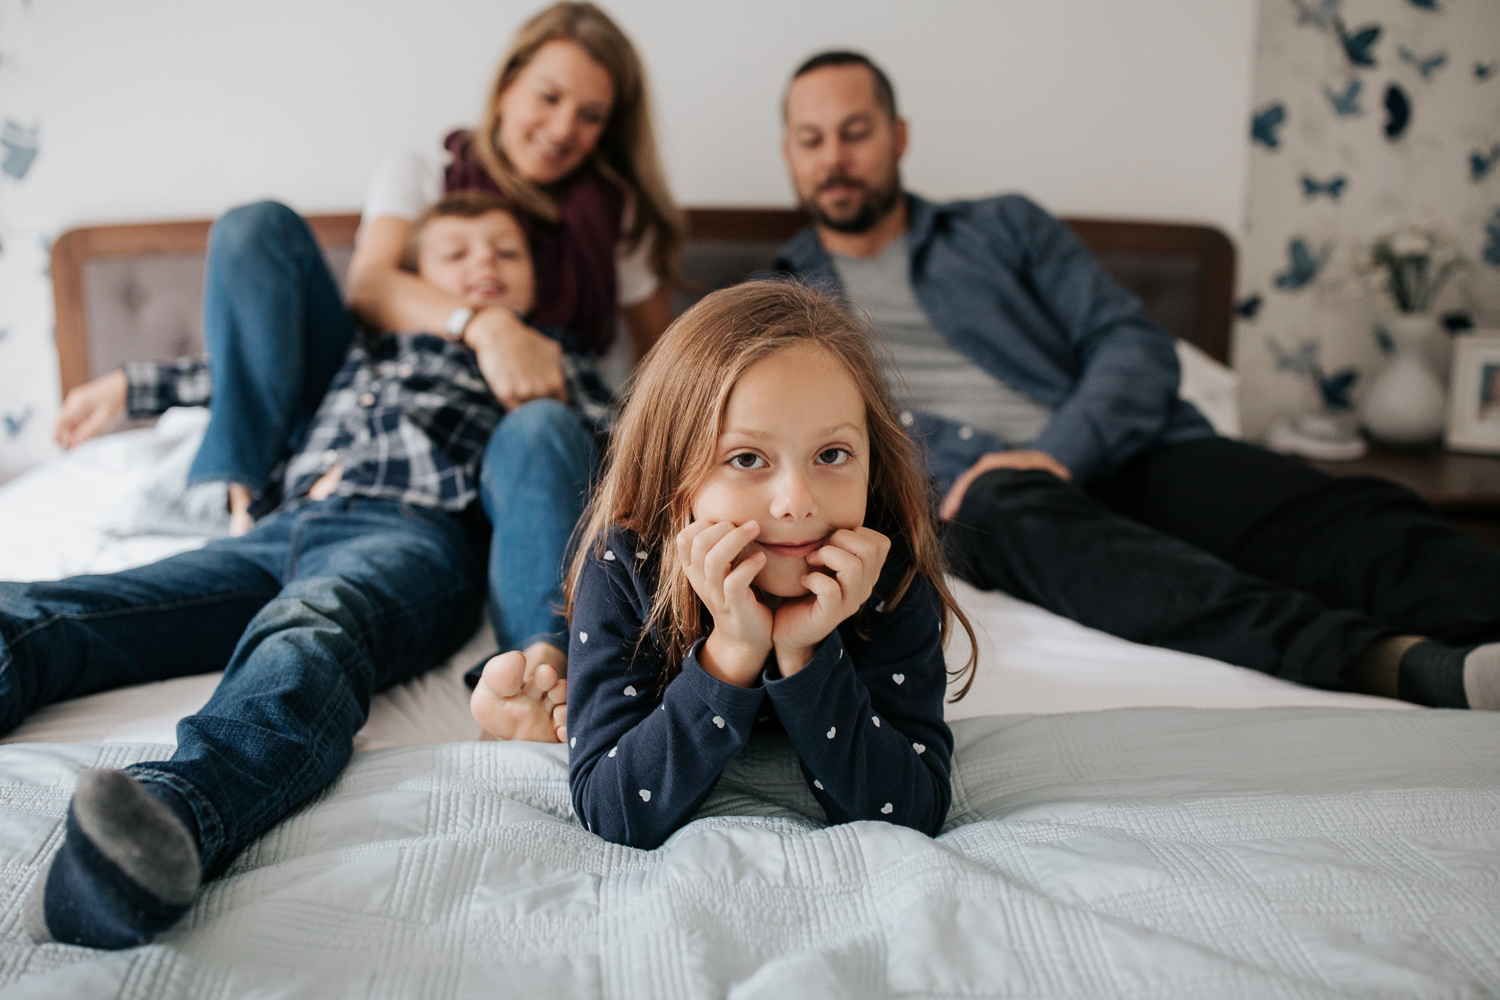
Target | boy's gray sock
(128,867)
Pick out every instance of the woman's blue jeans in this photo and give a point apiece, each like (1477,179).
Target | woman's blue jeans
(534,485)
(310,614)
(277,330)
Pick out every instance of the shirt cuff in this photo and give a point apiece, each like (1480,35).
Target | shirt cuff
(812,676)
(737,706)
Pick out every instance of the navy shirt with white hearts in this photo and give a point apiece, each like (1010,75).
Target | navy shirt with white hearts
(865,714)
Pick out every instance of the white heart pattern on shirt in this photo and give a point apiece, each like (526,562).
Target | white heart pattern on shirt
(887,809)
(899,678)
(875,719)
(583,637)
(919,747)
(818,785)
(573,742)
(630,691)
(609,555)
(719,721)
(831,731)
(880,608)
(641,554)
(645,795)
(613,751)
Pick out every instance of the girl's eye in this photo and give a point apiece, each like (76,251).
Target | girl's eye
(834,456)
(747,460)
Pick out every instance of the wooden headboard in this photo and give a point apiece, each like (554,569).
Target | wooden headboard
(132,292)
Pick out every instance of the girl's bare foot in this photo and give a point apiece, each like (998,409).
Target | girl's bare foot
(239,510)
(522,696)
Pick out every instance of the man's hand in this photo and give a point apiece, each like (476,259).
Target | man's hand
(91,409)
(736,649)
(999,460)
(518,363)
(855,558)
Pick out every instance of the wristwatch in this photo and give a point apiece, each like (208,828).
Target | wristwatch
(458,322)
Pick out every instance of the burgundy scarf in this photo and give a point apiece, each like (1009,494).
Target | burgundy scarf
(574,259)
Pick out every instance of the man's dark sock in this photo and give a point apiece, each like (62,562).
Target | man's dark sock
(127,870)
(1443,676)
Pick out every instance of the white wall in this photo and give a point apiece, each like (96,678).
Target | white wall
(179,108)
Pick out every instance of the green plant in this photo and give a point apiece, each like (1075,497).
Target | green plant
(1411,266)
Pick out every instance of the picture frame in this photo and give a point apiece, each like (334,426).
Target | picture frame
(1474,394)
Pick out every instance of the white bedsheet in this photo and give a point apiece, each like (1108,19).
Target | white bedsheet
(66,518)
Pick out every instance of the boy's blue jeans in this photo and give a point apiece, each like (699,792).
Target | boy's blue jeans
(277,330)
(319,607)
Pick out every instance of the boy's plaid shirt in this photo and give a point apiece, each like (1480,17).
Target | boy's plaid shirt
(407,417)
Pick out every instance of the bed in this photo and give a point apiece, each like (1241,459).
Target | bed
(1126,821)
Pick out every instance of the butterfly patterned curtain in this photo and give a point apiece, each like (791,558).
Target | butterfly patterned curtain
(1368,117)
(26,345)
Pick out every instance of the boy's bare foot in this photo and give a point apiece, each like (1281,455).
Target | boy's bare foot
(521,696)
(240,521)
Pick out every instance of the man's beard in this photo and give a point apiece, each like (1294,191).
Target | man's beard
(874,205)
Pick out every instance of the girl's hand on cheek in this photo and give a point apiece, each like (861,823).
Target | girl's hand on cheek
(854,557)
(736,649)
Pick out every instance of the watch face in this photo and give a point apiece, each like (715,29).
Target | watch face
(458,319)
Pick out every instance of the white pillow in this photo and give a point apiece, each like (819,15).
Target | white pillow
(1210,386)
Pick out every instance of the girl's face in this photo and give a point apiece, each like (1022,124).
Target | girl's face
(554,112)
(793,456)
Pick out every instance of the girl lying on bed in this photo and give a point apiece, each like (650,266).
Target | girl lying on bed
(370,572)
(761,552)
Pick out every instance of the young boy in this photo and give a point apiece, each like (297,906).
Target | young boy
(370,572)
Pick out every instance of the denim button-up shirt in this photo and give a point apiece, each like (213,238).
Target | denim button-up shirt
(1014,291)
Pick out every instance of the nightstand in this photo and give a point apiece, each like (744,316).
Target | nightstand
(1464,488)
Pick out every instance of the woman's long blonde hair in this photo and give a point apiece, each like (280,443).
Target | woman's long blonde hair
(664,445)
(626,153)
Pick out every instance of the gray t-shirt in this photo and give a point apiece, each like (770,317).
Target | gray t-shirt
(929,374)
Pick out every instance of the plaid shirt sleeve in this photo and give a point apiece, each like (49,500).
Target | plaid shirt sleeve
(152,388)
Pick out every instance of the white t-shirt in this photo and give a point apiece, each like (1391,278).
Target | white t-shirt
(406,183)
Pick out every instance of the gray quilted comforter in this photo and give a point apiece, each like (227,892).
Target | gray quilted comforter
(1129,853)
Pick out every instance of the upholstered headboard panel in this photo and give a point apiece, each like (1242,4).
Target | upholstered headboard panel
(132,292)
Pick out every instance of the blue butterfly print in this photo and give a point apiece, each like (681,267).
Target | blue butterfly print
(18,146)
(1482,161)
(1492,240)
(1427,66)
(1346,105)
(1457,321)
(1397,112)
(1425,4)
(1383,341)
(1321,17)
(1298,362)
(1483,71)
(1266,123)
(1333,187)
(15,423)
(1335,387)
(1302,265)
(1357,46)
(1248,307)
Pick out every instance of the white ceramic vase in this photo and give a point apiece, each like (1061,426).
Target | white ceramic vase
(1405,403)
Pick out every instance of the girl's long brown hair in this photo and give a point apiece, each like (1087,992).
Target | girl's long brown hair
(626,153)
(664,446)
